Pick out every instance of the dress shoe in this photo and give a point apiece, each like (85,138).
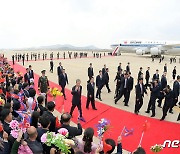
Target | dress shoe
(136,113)
(147,112)
(152,115)
(87,108)
(161,119)
(126,105)
(94,109)
(82,119)
(109,91)
(100,99)
(159,106)
(115,102)
(171,112)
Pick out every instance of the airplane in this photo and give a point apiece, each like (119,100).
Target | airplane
(155,48)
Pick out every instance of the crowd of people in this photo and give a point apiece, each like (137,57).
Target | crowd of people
(18,97)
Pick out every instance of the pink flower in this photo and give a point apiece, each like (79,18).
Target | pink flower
(63,131)
(14,133)
(14,124)
(44,138)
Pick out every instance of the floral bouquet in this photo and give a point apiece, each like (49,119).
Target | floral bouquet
(58,140)
(156,148)
(64,132)
(103,125)
(2,102)
(54,92)
(16,126)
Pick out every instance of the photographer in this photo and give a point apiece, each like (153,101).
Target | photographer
(168,93)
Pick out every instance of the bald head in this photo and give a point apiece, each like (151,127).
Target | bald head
(32,132)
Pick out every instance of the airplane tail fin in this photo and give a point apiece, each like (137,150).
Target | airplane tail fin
(115,51)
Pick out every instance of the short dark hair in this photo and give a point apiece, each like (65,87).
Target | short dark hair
(178,77)
(40,99)
(32,92)
(25,85)
(5,113)
(44,120)
(140,151)
(51,105)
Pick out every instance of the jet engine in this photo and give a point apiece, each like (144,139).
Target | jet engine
(140,52)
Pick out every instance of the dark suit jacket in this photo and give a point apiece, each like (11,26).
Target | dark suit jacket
(106,77)
(99,81)
(165,68)
(155,92)
(31,74)
(147,75)
(76,99)
(63,79)
(174,72)
(90,72)
(163,82)
(169,98)
(42,109)
(139,93)
(27,78)
(176,89)
(103,71)
(73,131)
(90,89)
(52,118)
(156,76)
(130,83)
(59,70)
(127,68)
(119,68)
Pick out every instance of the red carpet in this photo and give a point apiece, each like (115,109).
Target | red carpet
(157,133)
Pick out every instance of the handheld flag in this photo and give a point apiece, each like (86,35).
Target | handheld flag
(126,132)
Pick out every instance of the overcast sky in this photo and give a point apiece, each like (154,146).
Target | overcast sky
(28,23)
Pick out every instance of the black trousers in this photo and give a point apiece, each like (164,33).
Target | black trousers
(165,110)
(107,86)
(147,83)
(63,91)
(126,94)
(178,117)
(51,69)
(117,91)
(138,104)
(173,104)
(161,97)
(79,109)
(90,99)
(98,93)
(152,105)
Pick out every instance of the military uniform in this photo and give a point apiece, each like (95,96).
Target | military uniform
(43,85)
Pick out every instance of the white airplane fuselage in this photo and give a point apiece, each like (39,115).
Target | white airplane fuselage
(147,47)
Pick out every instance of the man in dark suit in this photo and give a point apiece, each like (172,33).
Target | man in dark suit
(31,73)
(106,80)
(65,123)
(13,59)
(140,73)
(147,76)
(50,108)
(76,99)
(27,76)
(165,68)
(130,85)
(90,94)
(140,90)
(124,88)
(168,93)
(90,72)
(154,95)
(118,83)
(104,69)
(99,85)
(128,67)
(51,66)
(119,67)
(63,81)
(174,73)
(59,71)
(163,85)
(156,75)
(176,91)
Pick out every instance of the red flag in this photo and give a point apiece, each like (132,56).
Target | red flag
(1,128)
(146,126)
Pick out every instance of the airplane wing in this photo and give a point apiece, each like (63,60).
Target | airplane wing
(169,46)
